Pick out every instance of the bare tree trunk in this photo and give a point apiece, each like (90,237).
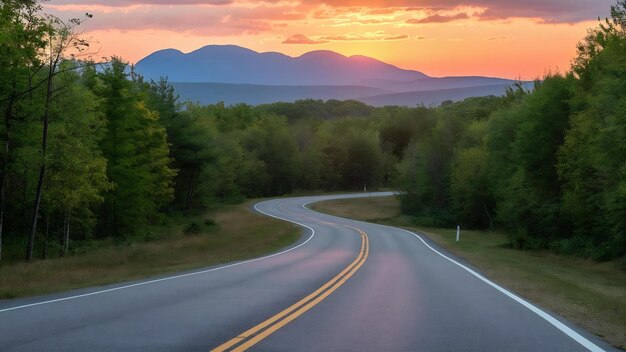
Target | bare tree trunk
(33,228)
(42,169)
(44,252)
(488,216)
(1,210)
(66,232)
(24,218)
(5,160)
(188,200)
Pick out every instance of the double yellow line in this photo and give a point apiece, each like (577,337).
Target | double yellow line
(259,332)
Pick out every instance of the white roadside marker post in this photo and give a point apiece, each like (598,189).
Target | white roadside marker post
(458,232)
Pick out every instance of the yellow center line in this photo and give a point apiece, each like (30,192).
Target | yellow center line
(257,333)
(311,218)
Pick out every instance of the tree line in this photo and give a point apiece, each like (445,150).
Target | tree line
(95,152)
(548,165)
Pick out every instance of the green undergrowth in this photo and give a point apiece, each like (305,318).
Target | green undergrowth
(231,233)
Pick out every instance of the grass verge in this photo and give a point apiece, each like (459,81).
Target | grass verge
(591,294)
(236,234)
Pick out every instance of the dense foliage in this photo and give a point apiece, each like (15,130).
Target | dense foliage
(97,152)
(548,165)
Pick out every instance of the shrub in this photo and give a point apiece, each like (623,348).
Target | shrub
(192,228)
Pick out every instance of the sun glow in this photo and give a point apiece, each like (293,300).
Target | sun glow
(496,38)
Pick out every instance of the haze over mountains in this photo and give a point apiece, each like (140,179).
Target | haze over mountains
(233,74)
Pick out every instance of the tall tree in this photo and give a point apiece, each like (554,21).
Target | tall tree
(592,160)
(470,187)
(529,190)
(22,38)
(60,38)
(76,167)
(363,164)
(270,141)
(192,138)
(137,152)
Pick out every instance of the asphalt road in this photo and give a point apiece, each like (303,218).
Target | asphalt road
(346,286)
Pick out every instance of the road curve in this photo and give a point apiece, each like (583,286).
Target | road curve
(345,286)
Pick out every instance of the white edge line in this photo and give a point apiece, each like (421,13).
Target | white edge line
(176,276)
(556,323)
(547,317)
(550,319)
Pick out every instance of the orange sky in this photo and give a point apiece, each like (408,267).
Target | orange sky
(504,38)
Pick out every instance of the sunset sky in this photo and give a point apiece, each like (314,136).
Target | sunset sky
(504,38)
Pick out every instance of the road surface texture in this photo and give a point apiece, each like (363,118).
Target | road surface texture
(345,286)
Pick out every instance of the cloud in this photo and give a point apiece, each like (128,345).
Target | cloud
(437,18)
(397,37)
(302,39)
(123,3)
(189,19)
(371,36)
(549,11)
(239,17)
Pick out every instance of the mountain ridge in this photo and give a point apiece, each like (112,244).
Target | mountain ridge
(252,94)
(238,65)
(234,74)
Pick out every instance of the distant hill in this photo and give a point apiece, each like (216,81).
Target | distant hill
(436,83)
(232,74)
(254,94)
(436,97)
(234,64)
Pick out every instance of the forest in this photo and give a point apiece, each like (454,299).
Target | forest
(93,151)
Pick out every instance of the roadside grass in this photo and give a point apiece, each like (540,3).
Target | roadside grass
(231,233)
(591,294)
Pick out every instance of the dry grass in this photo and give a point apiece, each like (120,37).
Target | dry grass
(239,234)
(591,294)
(372,209)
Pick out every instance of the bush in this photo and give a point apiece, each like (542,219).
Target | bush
(192,228)
(521,240)
(434,218)
(577,245)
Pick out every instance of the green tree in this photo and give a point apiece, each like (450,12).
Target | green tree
(76,168)
(22,38)
(270,141)
(528,192)
(309,161)
(192,139)
(469,188)
(363,161)
(60,38)
(137,152)
(592,160)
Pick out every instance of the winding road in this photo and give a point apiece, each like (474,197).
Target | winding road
(345,286)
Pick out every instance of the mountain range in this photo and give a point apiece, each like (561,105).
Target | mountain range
(232,74)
